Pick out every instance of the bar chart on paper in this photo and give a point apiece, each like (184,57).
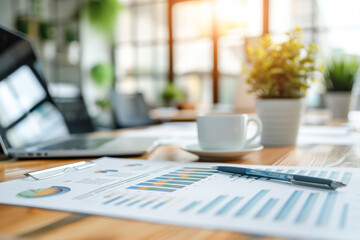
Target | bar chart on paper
(279,205)
(196,195)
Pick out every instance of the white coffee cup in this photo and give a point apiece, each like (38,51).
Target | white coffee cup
(226,131)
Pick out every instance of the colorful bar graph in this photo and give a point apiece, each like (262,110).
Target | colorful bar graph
(312,173)
(346,177)
(178,179)
(322,174)
(152,189)
(192,173)
(112,200)
(288,206)
(228,206)
(307,208)
(190,206)
(183,176)
(169,181)
(266,208)
(334,175)
(326,210)
(160,185)
(251,203)
(344,215)
(212,204)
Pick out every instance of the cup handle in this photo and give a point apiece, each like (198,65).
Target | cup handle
(258,130)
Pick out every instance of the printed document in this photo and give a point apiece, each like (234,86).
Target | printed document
(194,195)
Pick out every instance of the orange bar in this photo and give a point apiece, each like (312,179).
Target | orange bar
(162,181)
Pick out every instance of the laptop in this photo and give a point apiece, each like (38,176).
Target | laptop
(31,125)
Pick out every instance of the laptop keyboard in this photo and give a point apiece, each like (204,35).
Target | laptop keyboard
(78,144)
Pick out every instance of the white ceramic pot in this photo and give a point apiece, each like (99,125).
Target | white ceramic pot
(338,103)
(281,120)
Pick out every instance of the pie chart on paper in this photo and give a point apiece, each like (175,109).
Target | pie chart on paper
(43,192)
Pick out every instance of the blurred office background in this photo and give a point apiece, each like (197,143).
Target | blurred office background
(87,47)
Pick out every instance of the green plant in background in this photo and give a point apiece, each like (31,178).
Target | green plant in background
(340,72)
(172,95)
(22,24)
(281,70)
(45,31)
(103,75)
(70,35)
(102,14)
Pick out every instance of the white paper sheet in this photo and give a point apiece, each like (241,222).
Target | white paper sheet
(333,135)
(192,194)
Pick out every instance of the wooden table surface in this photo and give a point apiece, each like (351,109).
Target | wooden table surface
(31,223)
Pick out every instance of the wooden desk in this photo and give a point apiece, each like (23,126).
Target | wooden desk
(24,223)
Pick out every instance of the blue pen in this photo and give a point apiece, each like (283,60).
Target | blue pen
(292,178)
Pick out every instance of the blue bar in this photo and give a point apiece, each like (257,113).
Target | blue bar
(346,178)
(165,185)
(312,173)
(171,182)
(134,202)
(123,201)
(322,174)
(334,175)
(112,200)
(147,203)
(190,206)
(326,210)
(266,208)
(290,171)
(285,210)
(344,215)
(160,204)
(251,203)
(307,208)
(212,204)
(302,172)
(228,206)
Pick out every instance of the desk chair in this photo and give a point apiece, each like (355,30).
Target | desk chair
(130,110)
(76,116)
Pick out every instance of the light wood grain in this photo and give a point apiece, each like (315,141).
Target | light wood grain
(30,223)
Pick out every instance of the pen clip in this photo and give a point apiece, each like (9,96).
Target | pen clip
(311,184)
(56,171)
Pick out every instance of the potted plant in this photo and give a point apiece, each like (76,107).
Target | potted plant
(46,36)
(279,75)
(172,96)
(339,75)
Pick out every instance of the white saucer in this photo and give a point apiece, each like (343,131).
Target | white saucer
(196,149)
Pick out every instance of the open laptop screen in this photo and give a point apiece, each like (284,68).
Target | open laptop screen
(27,112)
